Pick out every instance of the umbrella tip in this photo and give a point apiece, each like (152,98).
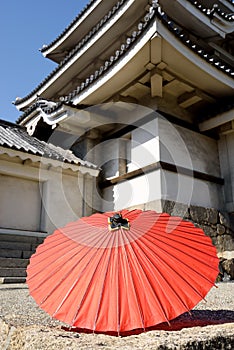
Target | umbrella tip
(116,222)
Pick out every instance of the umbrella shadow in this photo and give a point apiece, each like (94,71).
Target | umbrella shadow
(195,318)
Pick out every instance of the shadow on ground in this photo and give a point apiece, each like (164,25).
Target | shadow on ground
(194,318)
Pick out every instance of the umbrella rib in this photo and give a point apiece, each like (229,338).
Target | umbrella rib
(169,239)
(190,239)
(135,290)
(62,256)
(91,279)
(178,298)
(101,295)
(75,282)
(39,262)
(161,260)
(58,268)
(118,286)
(161,228)
(65,276)
(166,253)
(159,302)
(48,244)
(182,251)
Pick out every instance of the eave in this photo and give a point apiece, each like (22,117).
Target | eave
(115,73)
(82,55)
(57,43)
(34,159)
(79,28)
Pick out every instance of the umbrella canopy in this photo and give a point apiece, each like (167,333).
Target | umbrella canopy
(118,272)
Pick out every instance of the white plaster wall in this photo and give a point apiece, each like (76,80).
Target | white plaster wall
(144,145)
(159,140)
(108,157)
(139,190)
(62,200)
(226,154)
(20,203)
(159,185)
(187,190)
(24,205)
(188,149)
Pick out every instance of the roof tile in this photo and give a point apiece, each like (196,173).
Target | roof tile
(16,137)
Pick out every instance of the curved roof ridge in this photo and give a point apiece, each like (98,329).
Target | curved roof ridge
(82,12)
(78,47)
(211,11)
(153,11)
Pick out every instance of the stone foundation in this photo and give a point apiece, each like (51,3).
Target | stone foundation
(216,225)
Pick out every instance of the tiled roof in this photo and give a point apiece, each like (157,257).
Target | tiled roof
(154,11)
(211,11)
(198,4)
(77,48)
(46,47)
(15,137)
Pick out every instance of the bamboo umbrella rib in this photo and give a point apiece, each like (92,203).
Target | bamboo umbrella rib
(157,234)
(65,276)
(102,290)
(133,283)
(169,240)
(165,263)
(163,313)
(66,248)
(53,272)
(88,286)
(152,265)
(165,252)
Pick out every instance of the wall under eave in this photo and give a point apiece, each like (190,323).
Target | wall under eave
(39,198)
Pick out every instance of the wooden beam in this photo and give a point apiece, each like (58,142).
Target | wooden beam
(156,85)
(162,166)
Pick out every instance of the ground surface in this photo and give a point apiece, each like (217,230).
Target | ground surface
(24,326)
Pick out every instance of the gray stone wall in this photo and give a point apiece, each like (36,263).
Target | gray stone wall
(216,225)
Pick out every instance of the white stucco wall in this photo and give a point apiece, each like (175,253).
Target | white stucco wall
(40,198)
(188,149)
(226,154)
(20,204)
(159,140)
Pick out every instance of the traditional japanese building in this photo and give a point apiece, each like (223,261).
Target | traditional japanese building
(144,90)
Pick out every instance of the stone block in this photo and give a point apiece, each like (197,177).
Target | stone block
(10,253)
(228,242)
(209,231)
(224,219)
(17,238)
(201,215)
(228,267)
(175,209)
(15,245)
(12,272)
(13,262)
(220,229)
(27,254)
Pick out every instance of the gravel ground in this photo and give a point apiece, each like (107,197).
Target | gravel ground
(25,326)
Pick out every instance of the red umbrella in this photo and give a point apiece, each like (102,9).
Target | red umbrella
(120,272)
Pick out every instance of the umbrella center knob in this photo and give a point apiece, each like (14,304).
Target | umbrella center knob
(116,222)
